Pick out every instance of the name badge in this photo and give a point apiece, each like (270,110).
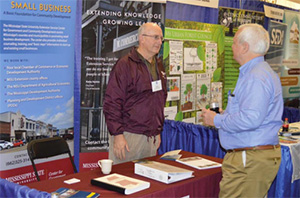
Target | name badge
(156,85)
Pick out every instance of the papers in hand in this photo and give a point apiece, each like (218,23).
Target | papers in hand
(120,183)
(161,172)
(199,162)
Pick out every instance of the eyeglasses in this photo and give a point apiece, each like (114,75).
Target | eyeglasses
(156,37)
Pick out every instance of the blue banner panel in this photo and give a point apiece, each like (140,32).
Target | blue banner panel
(37,72)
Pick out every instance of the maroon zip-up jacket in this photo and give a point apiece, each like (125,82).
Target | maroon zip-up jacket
(129,103)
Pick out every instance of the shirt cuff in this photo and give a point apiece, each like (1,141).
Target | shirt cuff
(218,121)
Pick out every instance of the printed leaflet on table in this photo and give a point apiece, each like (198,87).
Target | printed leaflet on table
(199,162)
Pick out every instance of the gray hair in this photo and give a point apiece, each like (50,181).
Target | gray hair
(256,36)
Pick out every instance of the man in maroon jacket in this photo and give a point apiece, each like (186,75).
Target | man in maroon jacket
(135,99)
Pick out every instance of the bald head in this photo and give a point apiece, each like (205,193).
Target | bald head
(150,40)
(146,27)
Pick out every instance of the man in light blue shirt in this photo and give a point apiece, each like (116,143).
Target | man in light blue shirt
(248,127)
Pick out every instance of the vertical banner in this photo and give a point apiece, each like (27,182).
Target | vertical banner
(290,71)
(274,56)
(231,19)
(109,31)
(37,67)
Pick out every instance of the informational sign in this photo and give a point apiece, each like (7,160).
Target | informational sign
(290,70)
(231,18)
(188,86)
(274,13)
(274,56)
(173,88)
(37,67)
(203,91)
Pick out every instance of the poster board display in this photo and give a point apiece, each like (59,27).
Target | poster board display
(194,55)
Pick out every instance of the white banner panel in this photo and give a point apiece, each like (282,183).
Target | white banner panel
(274,13)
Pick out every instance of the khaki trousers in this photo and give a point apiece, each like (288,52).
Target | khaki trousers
(249,173)
(140,146)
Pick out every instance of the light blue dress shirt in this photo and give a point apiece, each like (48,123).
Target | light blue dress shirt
(253,113)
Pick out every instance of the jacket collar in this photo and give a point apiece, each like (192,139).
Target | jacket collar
(134,55)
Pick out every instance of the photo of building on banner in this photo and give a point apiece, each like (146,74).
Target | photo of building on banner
(109,31)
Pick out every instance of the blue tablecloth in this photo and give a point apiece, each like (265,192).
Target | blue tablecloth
(282,186)
(204,140)
(293,114)
(190,137)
